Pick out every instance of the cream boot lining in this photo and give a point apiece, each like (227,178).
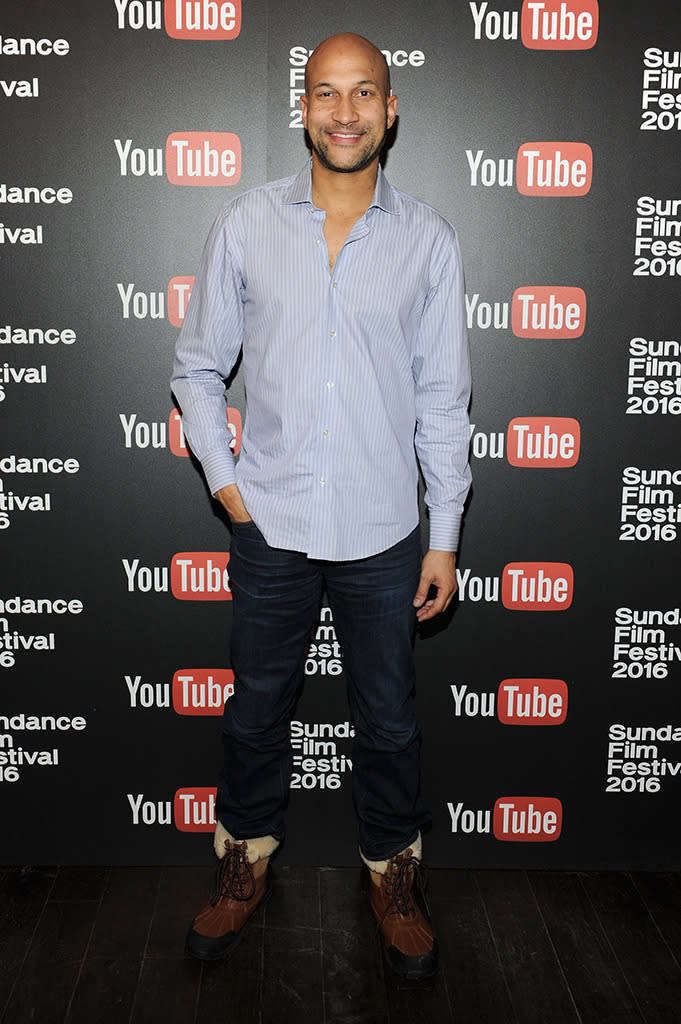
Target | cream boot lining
(256,849)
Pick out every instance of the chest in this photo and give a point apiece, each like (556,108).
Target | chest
(336,231)
(290,286)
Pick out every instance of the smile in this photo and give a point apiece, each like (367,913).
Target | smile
(342,137)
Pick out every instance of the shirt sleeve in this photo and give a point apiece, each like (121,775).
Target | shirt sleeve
(442,379)
(207,349)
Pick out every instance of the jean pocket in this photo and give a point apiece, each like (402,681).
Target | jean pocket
(240,526)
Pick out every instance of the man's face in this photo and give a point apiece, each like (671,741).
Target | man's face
(346,109)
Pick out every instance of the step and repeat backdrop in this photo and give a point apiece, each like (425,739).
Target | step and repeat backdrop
(549,133)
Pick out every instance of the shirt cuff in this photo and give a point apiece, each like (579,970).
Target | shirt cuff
(219,469)
(445,528)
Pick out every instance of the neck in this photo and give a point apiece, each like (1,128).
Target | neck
(335,190)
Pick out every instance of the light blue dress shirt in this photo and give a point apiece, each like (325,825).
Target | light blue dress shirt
(349,375)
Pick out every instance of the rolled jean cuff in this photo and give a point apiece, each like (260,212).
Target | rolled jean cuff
(380,866)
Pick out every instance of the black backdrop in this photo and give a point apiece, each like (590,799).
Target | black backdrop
(548,133)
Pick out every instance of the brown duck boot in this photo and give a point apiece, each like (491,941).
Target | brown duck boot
(398,903)
(242,884)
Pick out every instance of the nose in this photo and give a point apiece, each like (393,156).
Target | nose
(345,112)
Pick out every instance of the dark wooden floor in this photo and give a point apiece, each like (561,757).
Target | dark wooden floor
(105,946)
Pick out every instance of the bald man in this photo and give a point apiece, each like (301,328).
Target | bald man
(345,297)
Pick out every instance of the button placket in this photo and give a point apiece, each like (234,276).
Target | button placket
(329,369)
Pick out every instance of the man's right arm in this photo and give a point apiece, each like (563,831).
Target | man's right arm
(207,348)
(233,504)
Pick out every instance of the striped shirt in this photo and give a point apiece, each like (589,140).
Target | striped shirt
(350,375)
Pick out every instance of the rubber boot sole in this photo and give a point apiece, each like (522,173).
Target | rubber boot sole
(212,949)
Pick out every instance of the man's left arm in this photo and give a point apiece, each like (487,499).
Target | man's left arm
(442,393)
(438,570)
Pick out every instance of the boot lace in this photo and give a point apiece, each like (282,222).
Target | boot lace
(399,880)
(235,878)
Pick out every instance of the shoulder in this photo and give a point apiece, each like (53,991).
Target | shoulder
(429,233)
(418,213)
(256,200)
(247,215)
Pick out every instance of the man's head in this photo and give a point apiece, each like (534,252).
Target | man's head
(347,106)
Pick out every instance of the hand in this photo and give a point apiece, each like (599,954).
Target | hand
(438,570)
(232,502)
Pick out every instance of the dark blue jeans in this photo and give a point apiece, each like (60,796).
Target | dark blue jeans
(276,599)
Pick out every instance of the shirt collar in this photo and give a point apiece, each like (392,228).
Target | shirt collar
(300,190)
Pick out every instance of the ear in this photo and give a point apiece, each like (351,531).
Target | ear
(391,109)
(303,107)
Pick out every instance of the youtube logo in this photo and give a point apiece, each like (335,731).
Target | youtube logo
(202,19)
(537,586)
(527,819)
(543,442)
(554,168)
(559,25)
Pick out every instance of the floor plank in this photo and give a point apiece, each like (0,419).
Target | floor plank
(652,972)
(125,912)
(295,898)
(23,894)
(50,971)
(79,883)
(468,956)
(354,989)
(180,895)
(598,985)
(536,983)
(107,945)
(105,990)
(168,991)
(292,984)
(231,992)
(661,894)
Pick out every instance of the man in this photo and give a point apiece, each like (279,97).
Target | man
(346,298)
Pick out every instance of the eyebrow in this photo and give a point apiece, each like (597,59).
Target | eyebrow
(362,81)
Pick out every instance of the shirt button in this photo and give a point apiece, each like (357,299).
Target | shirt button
(335,284)
(322,480)
(318,241)
(326,433)
(332,334)
(329,384)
